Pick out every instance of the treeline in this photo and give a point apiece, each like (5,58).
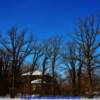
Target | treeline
(80,56)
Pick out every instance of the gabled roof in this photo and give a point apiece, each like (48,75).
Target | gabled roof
(37,72)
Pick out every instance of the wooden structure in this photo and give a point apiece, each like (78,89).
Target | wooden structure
(36,84)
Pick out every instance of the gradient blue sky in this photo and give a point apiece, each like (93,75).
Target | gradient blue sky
(45,17)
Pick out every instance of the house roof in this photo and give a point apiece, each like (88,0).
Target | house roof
(25,74)
(37,72)
(37,81)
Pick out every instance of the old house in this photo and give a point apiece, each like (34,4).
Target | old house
(35,83)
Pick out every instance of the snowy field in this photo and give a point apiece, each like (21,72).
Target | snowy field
(37,97)
(83,98)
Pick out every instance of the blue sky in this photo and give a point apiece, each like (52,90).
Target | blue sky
(45,17)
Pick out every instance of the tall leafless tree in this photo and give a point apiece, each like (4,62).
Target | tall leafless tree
(4,71)
(19,48)
(87,36)
(53,52)
(69,60)
(37,53)
(80,66)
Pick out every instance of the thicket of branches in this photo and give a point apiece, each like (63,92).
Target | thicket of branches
(80,57)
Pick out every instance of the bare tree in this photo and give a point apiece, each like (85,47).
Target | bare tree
(19,48)
(69,60)
(37,53)
(80,65)
(44,67)
(87,37)
(53,52)
(4,71)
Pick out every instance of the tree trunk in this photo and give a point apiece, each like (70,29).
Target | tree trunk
(90,83)
(43,73)
(53,75)
(74,83)
(79,81)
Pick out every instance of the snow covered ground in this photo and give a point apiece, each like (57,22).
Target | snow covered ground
(46,98)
